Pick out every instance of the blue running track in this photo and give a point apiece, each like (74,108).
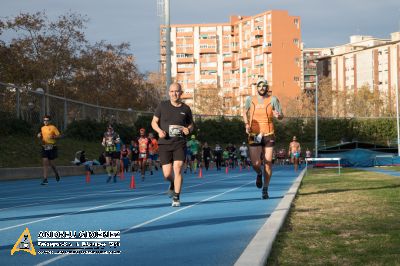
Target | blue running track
(219,216)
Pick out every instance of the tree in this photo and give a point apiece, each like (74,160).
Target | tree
(304,104)
(365,103)
(207,100)
(55,55)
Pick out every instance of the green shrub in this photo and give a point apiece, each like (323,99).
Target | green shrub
(10,125)
(92,130)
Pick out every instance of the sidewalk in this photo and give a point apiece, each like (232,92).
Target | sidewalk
(258,250)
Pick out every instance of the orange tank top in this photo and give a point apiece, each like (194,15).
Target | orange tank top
(261,116)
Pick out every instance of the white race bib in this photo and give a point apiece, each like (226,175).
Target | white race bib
(175,131)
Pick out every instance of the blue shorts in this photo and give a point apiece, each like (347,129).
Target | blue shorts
(295,155)
(153,157)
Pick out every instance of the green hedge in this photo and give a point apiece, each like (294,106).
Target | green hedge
(10,125)
(92,130)
(222,130)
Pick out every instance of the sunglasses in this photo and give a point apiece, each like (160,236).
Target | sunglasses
(46,120)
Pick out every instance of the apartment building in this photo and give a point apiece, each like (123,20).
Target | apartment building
(364,62)
(231,57)
(310,60)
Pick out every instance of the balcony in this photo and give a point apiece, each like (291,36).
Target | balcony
(209,77)
(208,50)
(257,42)
(208,59)
(184,33)
(227,59)
(255,33)
(185,60)
(234,49)
(163,51)
(267,49)
(245,54)
(189,50)
(215,68)
(258,72)
(235,65)
(183,69)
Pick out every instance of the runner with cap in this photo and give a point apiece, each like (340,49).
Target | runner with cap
(258,114)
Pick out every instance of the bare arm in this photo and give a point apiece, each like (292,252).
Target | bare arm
(156,127)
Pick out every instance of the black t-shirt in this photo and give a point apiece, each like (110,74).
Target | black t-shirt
(172,119)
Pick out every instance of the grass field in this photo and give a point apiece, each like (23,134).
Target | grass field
(22,151)
(352,219)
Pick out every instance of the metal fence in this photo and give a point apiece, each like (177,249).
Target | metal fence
(31,105)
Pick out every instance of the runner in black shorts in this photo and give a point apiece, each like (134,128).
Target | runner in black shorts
(173,121)
(48,134)
(258,114)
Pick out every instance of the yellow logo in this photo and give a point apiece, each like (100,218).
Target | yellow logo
(24,243)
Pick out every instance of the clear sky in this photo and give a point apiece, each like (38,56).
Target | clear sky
(323,23)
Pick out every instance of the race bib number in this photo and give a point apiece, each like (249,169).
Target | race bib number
(175,131)
(48,147)
(142,155)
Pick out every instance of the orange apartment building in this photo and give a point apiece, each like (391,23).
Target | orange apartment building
(232,57)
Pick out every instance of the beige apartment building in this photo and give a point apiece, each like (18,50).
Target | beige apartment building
(231,57)
(364,62)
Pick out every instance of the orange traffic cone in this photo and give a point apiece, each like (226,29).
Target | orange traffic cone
(132,185)
(87,176)
(200,172)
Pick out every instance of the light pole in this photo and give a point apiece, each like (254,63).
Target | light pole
(167,46)
(397,118)
(316,115)
(43,107)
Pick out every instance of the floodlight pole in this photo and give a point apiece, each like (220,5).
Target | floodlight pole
(316,115)
(168,46)
(397,118)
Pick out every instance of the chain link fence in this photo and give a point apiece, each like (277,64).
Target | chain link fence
(31,105)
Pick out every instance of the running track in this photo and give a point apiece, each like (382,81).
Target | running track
(219,216)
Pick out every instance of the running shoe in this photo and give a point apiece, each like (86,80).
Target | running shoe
(151,172)
(44,182)
(57,177)
(109,179)
(265,193)
(171,188)
(176,202)
(259,180)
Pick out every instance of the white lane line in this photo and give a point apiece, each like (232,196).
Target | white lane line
(74,197)
(103,206)
(46,262)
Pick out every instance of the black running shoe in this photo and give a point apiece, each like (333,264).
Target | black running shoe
(175,201)
(265,193)
(259,182)
(151,172)
(57,177)
(171,189)
(109,179)
(44,182)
